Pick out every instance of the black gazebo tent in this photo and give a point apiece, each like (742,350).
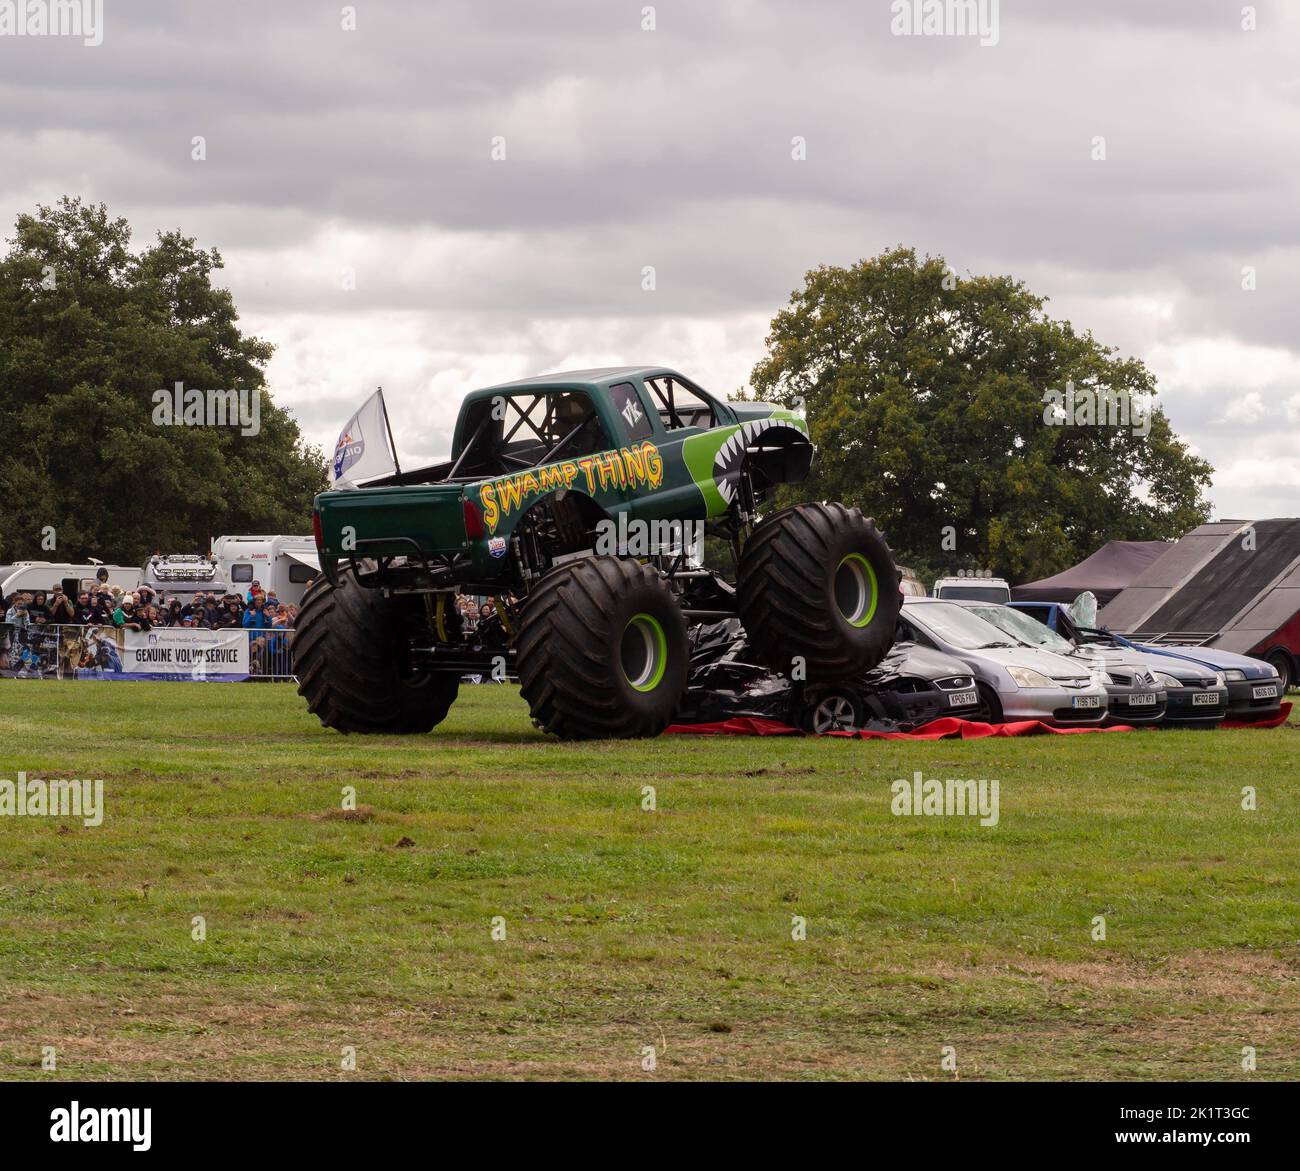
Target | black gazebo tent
(1105,573)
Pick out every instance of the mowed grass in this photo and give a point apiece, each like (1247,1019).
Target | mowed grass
(625,928)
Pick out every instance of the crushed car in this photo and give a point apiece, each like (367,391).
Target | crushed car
(909,688)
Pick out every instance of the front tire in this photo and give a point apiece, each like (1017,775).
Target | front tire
(817,582)
(602,651)
(1282,665)
(833,709)
(990,706)
(348,655)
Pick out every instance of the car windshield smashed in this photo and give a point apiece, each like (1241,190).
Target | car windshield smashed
(956,626)
(1023,628)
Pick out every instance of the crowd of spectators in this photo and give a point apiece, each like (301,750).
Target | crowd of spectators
(269,621)
(143,609)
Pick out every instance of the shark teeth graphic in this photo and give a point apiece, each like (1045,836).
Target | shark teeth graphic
(726,464)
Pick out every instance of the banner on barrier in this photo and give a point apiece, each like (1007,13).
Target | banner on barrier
(186,653)
(106,652)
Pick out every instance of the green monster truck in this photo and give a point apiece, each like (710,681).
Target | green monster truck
(574,501)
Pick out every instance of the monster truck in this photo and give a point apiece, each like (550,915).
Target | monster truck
(550,483)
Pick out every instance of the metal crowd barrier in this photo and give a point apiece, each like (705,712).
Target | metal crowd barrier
(103,652)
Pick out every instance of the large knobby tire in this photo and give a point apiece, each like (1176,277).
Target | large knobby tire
(602,651)
(348,655)
(817,582)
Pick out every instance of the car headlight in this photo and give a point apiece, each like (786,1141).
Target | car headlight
(1233,675)
(1167,680)
(1219,680)
(1028,677)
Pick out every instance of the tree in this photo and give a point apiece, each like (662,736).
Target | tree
(925,396)
(89,331)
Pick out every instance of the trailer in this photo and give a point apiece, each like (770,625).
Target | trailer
(1232,585)
(285,564)
(32,576)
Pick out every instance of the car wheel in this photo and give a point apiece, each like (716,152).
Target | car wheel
(836,710)
(990,706)
(1282,665)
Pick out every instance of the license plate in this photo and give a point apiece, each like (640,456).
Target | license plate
(1269,692)
(963,698)
(1085,701)
(1205,699)
(1146,699)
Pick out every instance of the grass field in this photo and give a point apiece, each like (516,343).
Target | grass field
(626,928)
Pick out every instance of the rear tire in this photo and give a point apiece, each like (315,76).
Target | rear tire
(602,651)
(348,651)
(818,582)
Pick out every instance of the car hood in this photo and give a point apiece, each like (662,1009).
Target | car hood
(923,663)
(1122,657)
(1052,665)
(1209,657)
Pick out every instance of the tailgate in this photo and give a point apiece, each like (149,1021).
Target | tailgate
(394,521)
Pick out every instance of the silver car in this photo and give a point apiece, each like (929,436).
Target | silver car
(1015,682)
(1144,688)
(1134,690)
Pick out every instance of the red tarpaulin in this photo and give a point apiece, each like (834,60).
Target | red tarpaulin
(1276,722)
(948,728)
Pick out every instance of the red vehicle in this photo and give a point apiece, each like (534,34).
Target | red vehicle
(1229,586)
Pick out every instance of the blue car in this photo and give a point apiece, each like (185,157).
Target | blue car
(1255,689)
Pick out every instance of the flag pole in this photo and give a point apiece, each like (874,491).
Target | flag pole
(383,406)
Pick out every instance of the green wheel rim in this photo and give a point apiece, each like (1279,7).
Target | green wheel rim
(643,652)
(856,590)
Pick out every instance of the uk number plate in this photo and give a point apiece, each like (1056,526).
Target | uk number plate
(1205,699)
(1269,692)
(1146,699)
(1085,701)
(963,698)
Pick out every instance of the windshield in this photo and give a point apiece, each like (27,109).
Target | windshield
(975,593)
(957,626)
(1023,628)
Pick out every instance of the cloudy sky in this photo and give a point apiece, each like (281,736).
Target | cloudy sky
(370,234)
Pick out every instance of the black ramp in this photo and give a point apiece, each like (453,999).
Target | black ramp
(1229,581)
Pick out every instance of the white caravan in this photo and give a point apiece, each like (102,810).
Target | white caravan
(284,564)
(29,576)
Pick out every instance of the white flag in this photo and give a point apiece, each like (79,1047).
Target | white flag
(362,451)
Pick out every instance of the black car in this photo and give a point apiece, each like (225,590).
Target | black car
(910,687)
